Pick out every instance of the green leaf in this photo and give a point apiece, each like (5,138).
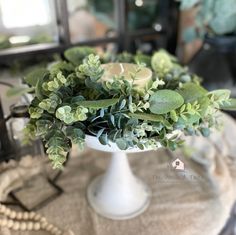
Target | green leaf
(77,99)
(76,54)
(204,103)
(147,117)
(205,131)
(103,139)
(141,58)
(229,105)
(191,119)
(39,89)
(167,124)
(191,92)
(33,77)
(43,126)
(173,116)
(99,133)
(164,101)
(221,94)
(112,119)
(18,91)
(97,104)
(188,119)
(62,66)
(123,103)
(75,134)
(122,144)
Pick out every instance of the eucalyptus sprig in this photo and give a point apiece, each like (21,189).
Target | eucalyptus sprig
(73,99)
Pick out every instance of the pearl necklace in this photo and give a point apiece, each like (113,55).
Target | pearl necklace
(27,221)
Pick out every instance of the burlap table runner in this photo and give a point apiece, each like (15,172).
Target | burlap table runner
(195,201)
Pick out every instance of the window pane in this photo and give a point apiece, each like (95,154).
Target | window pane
(37,11)
(142,14)
(25,22)
(90,19)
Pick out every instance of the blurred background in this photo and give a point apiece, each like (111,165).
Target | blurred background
(202,34)
(196,31)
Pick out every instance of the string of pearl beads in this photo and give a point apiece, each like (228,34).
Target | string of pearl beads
(26,221)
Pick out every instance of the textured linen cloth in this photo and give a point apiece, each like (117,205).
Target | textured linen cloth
(193,201)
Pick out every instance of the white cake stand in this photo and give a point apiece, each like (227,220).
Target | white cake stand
(117,194)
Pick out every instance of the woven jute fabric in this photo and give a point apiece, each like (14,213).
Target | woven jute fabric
(194,201)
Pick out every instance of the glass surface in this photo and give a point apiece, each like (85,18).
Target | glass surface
(91,19)
(143,14)
(36,192)
(24,22)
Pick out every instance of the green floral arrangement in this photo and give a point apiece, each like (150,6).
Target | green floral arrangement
(131,100)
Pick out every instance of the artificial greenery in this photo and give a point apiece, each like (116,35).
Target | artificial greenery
(71,100)
(214,17)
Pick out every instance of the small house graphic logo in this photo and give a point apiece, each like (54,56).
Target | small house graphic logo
(178,164)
